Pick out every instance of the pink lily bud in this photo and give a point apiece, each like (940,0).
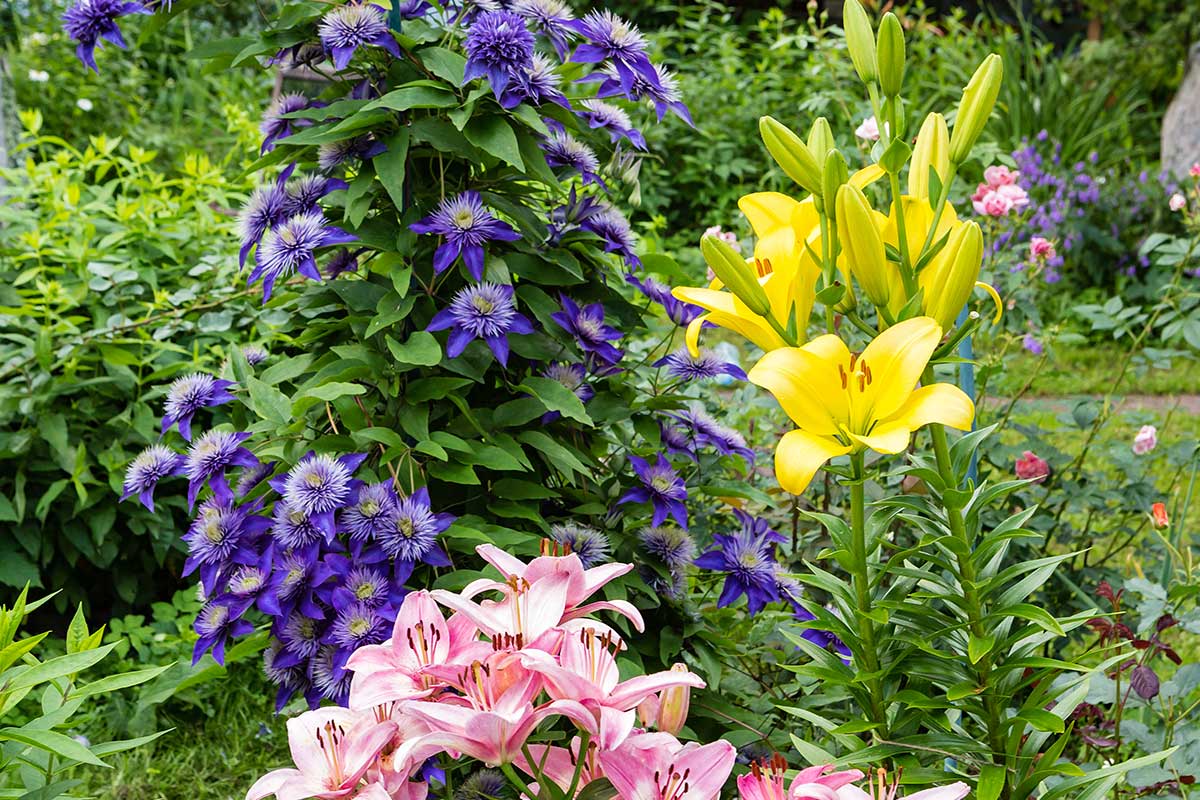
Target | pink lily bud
(647,711)
(673,704)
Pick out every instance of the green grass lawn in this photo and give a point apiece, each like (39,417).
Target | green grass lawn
(1091,370)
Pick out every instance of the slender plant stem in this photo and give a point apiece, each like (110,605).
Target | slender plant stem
(862,591)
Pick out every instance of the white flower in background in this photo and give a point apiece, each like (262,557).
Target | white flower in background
(38,76)
(39,39)
(1146,440)
(84,104)
(869,130)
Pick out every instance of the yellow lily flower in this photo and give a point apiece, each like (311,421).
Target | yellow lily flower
(845,402)
(781,263)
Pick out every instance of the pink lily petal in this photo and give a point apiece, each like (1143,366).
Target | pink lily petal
(269,784)
(622,607)
(834,780)
(629,694)
(952,791)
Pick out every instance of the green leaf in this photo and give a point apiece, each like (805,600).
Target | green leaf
(77,631)
(556,397)
(495,136)
(426,389)
(454,473)
(978,647)
(114,683)
(991,782)
(60,667)
(392,164)
(421,350)
(1042,720)
(446,64)
(59,744)
(332,391)
(268,402)
(557,455)
(409,97)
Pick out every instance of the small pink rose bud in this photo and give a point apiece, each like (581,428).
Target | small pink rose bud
(1146,440)
(673,705)
(1177,202)
(1041,249)
(1031,468)
(868,130)
(1194,170)
(1000,175)
(993,204)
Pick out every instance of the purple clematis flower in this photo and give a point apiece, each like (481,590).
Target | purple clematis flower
(351,26)
(249,586)
(670,545)
(291,248)
(683,365)
(332,155)
(679,312)
(151,465)
(358,583)
(216,626)
(601,115)
(304,194)
(587,325)
(565,151)
(318,486)
(291,678)
(369,513)
(610,225)
(413,9)
(328,677)
(90,21)
(498,47)
(749,561)
(614,40)
(707,431)
(589,545)
(266,208)
(189,394)
(826,640)
(483,311)
(539,84)
(464,224)
(209,457)
(221,535)
(276,126)
(296,578)
(663,92)
(661,487)
(412,531)
(552,18)
(678,441)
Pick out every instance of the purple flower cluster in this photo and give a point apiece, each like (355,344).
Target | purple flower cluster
(661,487)
(747,557)
(91,22)
(465,225)
(321,553)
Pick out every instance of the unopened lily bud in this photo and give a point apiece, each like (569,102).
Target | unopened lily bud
(673,705)
(889,55)
(729,266)
(835,176)
(860,39)
(647,711)
(932,150)
(976,105)
(820,139)
(949,281)
(862,246)
(791,153)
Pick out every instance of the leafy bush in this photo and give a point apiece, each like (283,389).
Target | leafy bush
(115,279)
(40,756)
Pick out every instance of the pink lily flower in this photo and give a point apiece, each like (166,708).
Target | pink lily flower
(333,748)
(660,768)
(583,583)
(883,789)
(496,713)
(586,671)
(422,638)
(765,782)
(528,616)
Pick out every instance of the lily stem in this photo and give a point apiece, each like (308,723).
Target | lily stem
(968,582)
(862,590)
(515,779)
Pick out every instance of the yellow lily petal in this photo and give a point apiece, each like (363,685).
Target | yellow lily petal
(896,359)
(799,455)
(885,439)
(987,287)
(938,402)
(829,348)
(768,211)
(727,311)
(692,335)
(803,384)
(867,175)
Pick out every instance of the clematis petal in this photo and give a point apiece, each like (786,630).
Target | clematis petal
(800,454)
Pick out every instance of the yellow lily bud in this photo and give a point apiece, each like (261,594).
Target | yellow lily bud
(791,153)
(932,150)
(730,268)
(820,139)
(836,174)
(949,280)
(889,55)
(673,705)
(976,105)
(860,39)
(862,245)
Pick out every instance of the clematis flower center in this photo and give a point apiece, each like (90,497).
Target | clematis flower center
(483,305)
(464,219)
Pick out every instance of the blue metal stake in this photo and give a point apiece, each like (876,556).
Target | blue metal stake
(966,382)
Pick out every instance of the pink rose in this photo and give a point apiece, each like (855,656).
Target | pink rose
(993,204)
(1000,175)
(1041,248)
(1031,468)
(1177,202)
(1194,171)
(1018,196)
(1146,440)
